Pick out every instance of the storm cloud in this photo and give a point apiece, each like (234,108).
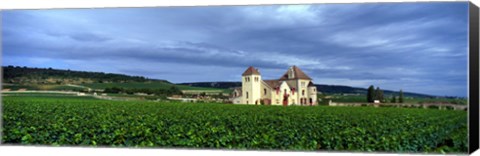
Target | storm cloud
(417,47)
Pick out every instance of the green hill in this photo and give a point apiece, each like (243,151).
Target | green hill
(15,78)
(27,75)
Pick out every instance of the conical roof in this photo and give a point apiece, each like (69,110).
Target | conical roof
(251,71)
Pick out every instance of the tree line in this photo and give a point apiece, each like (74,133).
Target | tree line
(17,74)
(377,94)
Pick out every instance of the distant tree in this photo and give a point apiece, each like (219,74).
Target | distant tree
(375,94)
(400,97)
(129,91)
(174,91)
(371,94)
(220,96)
(379,94)
(382,97)
(394,99)
(113,90)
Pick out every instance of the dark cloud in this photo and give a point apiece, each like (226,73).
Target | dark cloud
(410,46)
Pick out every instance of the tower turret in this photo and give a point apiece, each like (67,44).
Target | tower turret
(251,86)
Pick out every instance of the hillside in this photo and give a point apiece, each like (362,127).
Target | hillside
(27,75)
(326,89)
(223,85)
(15,78)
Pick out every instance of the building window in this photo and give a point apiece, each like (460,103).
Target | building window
(264,91)
(246,95)
(284,91)
(303,92)
(235,95)
(303,84)
(314,90)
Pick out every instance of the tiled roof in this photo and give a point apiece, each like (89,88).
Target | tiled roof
(297,74)
(251,71)
(272,83)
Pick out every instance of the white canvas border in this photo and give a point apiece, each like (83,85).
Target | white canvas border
(55,4)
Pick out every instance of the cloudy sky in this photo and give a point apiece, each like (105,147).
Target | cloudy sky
(417,47)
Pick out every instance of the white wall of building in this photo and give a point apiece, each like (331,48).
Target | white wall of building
(251,89)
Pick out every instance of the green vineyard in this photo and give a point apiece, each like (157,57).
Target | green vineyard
(65,121)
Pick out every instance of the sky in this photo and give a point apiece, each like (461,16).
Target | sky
(417,47)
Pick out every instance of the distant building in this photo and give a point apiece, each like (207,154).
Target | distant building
(292,88)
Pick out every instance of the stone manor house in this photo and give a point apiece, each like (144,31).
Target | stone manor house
(293,88)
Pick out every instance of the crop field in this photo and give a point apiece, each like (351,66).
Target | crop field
(363,98)
(29,94)
(148,85)
(93,122)
(129,85)
(40,87)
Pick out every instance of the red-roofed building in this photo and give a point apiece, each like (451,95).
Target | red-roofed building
(292,88)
